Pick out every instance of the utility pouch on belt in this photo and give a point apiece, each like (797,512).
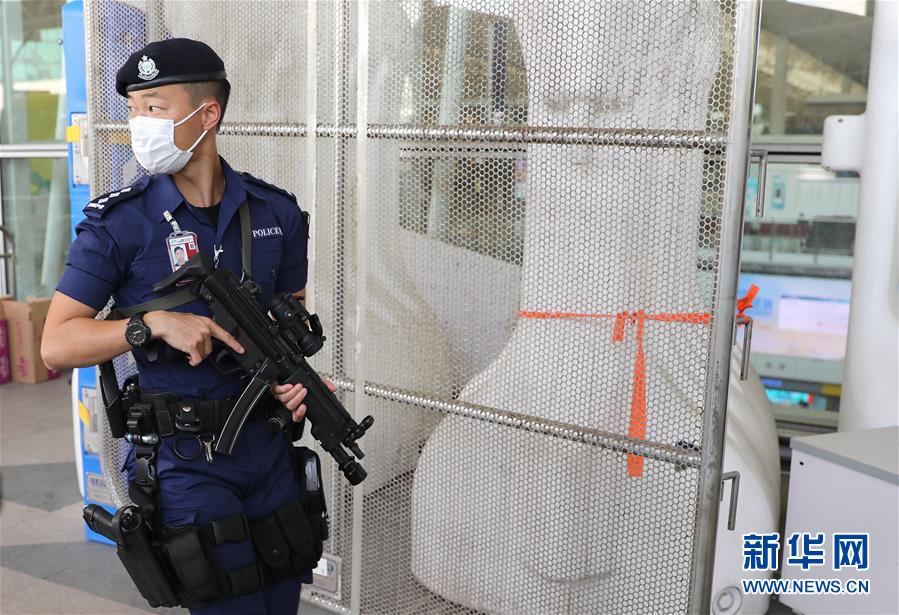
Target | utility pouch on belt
(189,552)
(290,540)
(309,472)
(191,565)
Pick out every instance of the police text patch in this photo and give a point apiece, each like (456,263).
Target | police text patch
(266,232)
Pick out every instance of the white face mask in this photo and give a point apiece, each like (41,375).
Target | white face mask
(153,142)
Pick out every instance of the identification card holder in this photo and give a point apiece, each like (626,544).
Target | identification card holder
(181,246)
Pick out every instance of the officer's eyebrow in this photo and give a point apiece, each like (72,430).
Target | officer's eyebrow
(147,94)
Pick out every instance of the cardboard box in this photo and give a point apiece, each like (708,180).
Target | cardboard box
(25,323)
(5,370)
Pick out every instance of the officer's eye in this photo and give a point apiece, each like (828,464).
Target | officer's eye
(153,108)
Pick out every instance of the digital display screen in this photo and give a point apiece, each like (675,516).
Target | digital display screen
(799,316)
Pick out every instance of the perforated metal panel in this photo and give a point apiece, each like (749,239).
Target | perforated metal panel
(526,218)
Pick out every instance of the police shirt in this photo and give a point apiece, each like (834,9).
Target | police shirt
(120,250)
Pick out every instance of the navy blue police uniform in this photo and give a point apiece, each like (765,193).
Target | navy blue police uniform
(121,251)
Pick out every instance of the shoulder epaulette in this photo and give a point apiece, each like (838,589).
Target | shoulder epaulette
(104,203)
(265,184)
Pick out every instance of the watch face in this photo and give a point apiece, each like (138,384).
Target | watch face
(136,334)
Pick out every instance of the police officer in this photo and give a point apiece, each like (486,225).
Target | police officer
(177,93)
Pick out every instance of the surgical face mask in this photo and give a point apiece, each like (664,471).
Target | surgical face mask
(153,142)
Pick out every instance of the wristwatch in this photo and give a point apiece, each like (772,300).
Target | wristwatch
(137,333)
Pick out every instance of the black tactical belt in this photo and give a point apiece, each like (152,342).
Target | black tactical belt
(171,414)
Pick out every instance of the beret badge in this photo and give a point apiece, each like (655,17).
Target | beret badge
(146,68)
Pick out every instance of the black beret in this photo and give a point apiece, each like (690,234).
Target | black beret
(174,60)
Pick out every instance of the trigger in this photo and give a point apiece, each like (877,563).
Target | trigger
(217,357)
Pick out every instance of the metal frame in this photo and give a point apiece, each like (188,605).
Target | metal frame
(361,293)
(311,120)
(35,150)
(573,433)
(341,89)
(709,462)
(522,136)
(736,142)
(715,413)
(89,8)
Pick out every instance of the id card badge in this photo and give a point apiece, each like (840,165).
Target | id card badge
(181,247)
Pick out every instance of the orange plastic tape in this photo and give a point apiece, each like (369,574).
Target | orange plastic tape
(637,427)
(745,302)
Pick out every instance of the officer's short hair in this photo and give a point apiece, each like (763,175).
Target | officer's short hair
(203,90)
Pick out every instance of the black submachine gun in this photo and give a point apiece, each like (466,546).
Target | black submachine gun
(275,350)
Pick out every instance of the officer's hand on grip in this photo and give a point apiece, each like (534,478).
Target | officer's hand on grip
(292,395)
(189,333)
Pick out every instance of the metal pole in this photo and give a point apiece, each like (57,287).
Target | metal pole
(338,263)
(361,258)
(91,126)
(679,139)
(524,422)
(341,87)
(714,418)
(311,156)
(35,150)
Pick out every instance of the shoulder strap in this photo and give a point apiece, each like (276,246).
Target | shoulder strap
(179,297)
(246,241)
(185,295)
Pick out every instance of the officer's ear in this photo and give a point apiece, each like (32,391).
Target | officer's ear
(211,115)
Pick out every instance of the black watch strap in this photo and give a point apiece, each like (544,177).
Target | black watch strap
(139,320)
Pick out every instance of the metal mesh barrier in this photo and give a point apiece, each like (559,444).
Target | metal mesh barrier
(525,216)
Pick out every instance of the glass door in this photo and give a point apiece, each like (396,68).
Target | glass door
(34,202)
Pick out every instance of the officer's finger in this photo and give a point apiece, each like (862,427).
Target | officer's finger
(283,391)
(207,346)
(288,394)
(301,391)
(196,353)
(292,403)
(299,413)
(219,333)
(280,389)
(194,358)
(331,386)
(296,396)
